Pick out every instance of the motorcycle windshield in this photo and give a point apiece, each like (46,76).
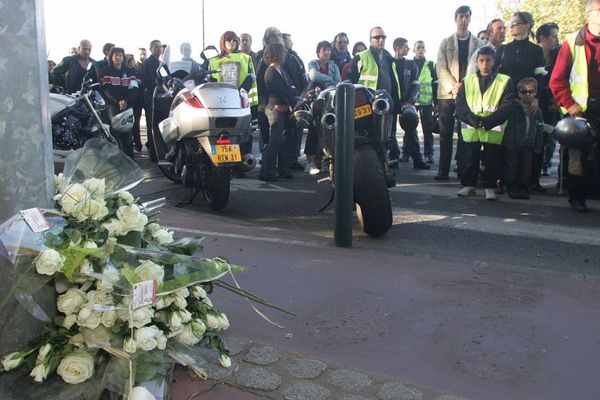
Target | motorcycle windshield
(178,58)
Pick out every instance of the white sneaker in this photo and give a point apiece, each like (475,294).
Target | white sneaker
(312,168)
(489,194)
(466,191)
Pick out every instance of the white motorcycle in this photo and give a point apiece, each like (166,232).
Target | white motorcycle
(203,126)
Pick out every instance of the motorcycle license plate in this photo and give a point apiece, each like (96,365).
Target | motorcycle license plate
(226,153)
(362,111)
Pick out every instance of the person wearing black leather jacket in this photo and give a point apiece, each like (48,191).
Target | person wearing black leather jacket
(408,77)
(120,89)
(70,72)
(149,68)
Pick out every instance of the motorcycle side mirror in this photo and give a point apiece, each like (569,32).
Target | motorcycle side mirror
(209,52)
(163,72)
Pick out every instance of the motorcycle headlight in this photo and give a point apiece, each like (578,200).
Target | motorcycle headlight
(98,101)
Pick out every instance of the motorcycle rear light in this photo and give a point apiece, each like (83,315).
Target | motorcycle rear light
(245,103)
(223,141)
(192,100)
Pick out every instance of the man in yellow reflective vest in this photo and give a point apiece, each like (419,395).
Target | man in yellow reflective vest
(483,105)
(575,84)
(427,97)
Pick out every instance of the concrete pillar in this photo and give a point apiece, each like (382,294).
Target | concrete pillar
(26,166)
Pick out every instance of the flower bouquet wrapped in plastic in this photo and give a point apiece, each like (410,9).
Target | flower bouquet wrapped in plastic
(132,300)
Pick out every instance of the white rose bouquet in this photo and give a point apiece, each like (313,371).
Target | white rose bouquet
(131,294)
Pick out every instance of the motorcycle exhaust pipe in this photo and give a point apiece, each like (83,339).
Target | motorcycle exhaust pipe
(249,161)
(381,106)
(328,121)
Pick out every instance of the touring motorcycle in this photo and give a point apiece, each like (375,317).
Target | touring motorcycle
(203,126)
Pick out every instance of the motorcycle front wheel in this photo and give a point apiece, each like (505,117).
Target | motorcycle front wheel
(217,192)
(373,204)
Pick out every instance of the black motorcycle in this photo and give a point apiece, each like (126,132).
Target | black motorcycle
(372,125)
(76,119)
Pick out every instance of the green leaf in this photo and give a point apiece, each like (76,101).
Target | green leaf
(133,238)
(129,274)
(73,258)
(187,246)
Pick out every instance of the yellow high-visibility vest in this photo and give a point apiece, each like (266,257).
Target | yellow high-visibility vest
(426,81)
(369,71)
(578,78)
(242,66)
(484,105)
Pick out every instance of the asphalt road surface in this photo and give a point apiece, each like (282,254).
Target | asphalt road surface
(488,300)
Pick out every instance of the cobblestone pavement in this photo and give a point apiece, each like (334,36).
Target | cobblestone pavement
(263,372)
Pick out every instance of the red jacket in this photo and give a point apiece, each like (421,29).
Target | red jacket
(559,81)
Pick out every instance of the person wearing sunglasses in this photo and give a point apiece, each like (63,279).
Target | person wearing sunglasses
(523,137)
(575,84)
(374,68)
(451,67)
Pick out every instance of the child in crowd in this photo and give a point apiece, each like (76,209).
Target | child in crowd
(522,137)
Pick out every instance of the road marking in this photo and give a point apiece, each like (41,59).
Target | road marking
(250,237)
(253,185)
(498,226)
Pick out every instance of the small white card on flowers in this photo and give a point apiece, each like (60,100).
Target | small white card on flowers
(144,294)
(35,219)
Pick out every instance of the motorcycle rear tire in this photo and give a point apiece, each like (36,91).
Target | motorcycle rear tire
(217,193)
(169,172)
(373,204)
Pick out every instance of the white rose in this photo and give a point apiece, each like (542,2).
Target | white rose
(145,337)
(76,367)
(198,292)
(74,197)
(12,361)
(126,197)
(187,336)
(43,352)
(161,341)
(223,322)
(109,318)
(153,227)
(140,317)
(160,303)
(95,209)
(40,372)
(185,315)
(175,322)
(224,360)
(70,321)
(180,302)
(84,268)
(77,340)
(88,318)
(110,276)
(198,327)
(129,345)
(100,297)
(115,227)
(95,187)
(212,322)
(147,270)
(90,244)
(58,180)
(72,301)
(49,262)
(132,218)
(163,236)
(207,301)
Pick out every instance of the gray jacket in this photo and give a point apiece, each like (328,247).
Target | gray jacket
(447,67)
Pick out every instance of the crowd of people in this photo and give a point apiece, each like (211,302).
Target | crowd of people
(502,100)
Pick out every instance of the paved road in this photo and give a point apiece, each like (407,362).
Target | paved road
(486,300)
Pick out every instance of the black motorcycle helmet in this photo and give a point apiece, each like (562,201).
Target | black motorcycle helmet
(409,120)
(574,133)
